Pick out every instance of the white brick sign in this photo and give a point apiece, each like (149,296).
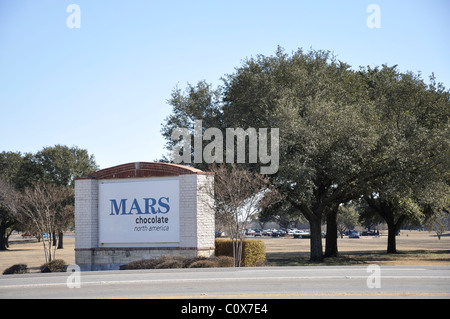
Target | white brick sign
(139,211)
(142,210)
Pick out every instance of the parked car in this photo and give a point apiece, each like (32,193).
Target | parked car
(249,232)
(353,235)
(219,234)
(278,233)
(301,234)
(268,232)
(370,233)
(258,233)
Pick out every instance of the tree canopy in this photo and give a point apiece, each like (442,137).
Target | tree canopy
(374,133)
(57,165)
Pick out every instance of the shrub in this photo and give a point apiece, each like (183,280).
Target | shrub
(188,261)
(223,247)
(224,261)
(253,251)
(142,264)
(57,265)
(205,263)
(165,262)
(169,263)
(16,269)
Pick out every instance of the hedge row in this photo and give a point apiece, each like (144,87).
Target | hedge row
(253,251)
(253,254)
(167,262)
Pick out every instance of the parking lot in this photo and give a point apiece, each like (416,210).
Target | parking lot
(415,248)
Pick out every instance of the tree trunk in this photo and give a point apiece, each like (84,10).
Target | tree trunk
(387,212)
(392,244)
(393,228)
(53,238)
(60,240)
(315,229)
(238,252)
(331,249)
(3,238)
(7,237)
(316,252)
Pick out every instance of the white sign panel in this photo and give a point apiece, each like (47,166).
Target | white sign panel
(139,211)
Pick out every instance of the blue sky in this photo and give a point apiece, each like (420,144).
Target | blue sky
(104,86)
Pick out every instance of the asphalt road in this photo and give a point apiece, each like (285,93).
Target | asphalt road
(263,282)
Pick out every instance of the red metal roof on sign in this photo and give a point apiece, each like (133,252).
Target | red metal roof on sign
(143,169)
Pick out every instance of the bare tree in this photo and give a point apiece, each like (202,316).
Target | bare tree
(239,195)
(42,205)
